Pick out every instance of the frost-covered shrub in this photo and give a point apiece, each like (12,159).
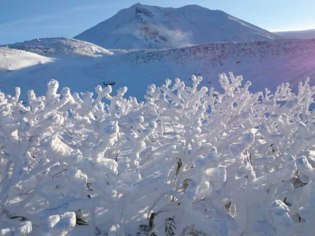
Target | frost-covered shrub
(186,161)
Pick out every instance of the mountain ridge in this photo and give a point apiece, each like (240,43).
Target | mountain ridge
(298,34)
(61,45)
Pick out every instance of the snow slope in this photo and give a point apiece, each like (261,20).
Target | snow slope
(266,63)
(61,46)
(303,34)
(142,26)
(13,59)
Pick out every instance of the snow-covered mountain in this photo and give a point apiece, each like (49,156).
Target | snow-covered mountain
(266,63)
(234,159)
(82,65)
(303,34)
(142,26)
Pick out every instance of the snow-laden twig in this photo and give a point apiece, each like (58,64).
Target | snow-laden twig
(233,162)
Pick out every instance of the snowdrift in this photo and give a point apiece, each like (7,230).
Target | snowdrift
(186,161)
(9,60)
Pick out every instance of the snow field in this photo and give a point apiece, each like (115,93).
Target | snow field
(9,60)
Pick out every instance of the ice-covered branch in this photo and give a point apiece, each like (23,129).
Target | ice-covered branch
(187,159)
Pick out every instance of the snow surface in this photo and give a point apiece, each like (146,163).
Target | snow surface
(62,46)
(13,59)
(267,63)
(303,34)
(142,26)
(187,161)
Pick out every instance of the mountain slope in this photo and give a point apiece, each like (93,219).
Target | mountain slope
(61,46)
(13,59)
(142,26)
(265,63)
(303,34)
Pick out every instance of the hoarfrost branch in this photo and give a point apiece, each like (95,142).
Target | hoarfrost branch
(186,160)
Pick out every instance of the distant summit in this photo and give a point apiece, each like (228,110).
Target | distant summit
(142,26)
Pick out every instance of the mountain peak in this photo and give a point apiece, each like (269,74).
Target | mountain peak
(138,4)
(143,26)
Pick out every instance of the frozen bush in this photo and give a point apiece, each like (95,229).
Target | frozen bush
(186,161)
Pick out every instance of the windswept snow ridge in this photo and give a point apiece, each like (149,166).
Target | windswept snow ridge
(142,26)
(61,46)
(12,59)
(187,161)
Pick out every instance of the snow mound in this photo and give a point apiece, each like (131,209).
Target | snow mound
(12,59)
(142,26)
(61,46)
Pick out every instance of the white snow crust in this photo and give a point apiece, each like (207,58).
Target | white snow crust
(13,59)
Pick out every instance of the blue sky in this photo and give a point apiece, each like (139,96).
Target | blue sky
(28,19)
